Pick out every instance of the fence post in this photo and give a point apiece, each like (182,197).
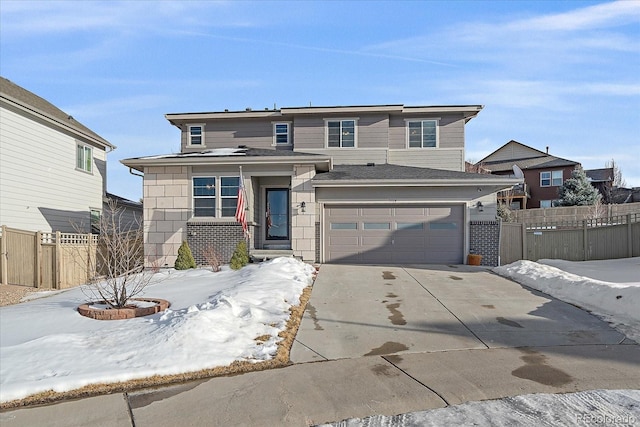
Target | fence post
(58,264)
(585,243)
(3,253)
(523,228)
(38,263)
(629,237)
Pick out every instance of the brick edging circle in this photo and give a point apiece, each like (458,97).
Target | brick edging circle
(123,313)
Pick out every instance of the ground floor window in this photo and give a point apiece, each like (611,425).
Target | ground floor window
(215,196)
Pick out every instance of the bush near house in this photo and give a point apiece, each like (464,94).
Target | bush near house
(185,258)
(240,256)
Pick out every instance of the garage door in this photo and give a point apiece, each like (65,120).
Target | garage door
(394,234)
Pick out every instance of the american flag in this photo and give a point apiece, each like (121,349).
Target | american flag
(241,215)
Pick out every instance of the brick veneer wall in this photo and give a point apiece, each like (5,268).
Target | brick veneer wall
(485,240)
(223,236)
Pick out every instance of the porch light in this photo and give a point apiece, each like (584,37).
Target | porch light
(480,207)
(303,205)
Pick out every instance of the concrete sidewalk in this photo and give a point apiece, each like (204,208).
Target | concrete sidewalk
(388,340)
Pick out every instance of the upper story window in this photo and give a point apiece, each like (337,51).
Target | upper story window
(341,133)
(551,178)
(84,157)
(215,196)
(281,134)
(422,133)
(196,135)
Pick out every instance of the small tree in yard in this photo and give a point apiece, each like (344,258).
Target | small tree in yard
(185,259)
(240,256)
(578,191)
(212,258)
(116,267)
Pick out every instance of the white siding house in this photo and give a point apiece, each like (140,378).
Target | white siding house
(52,168)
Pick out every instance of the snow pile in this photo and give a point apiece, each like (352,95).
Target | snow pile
(616,303)
(214,319)
(595,407)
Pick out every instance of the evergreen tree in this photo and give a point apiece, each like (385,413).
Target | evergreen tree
(185,258)
(240,256)
(578,191)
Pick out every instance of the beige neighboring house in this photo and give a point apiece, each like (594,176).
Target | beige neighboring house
(347,184)
(52,168)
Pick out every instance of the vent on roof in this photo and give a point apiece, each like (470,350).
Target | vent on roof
(248,109)
(371,164)
(242,146)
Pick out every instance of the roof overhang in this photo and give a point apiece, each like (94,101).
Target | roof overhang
(468,111)
(321,163)
(494,184)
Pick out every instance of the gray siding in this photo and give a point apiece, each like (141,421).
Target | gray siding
(512,151)
(452,159)
(254,133)
(309,132)
(40,186)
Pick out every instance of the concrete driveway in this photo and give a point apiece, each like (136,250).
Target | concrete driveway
(359,311)
(404,339)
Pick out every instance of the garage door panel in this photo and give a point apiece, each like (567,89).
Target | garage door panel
(373,212)
(372,241)
(413,211)
(344,241)
(343,211)
(408,241)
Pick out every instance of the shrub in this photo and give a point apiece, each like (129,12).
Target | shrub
(212,258)
(185,258)
(240,256)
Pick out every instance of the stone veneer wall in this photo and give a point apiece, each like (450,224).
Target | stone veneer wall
(166,211)
(303,230)
(221,236)
(485,240)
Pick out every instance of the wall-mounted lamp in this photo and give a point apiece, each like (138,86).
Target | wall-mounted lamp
(480,207)
(303,206)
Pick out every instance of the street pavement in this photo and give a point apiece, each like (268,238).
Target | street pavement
(388,340)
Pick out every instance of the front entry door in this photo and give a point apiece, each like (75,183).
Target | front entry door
(277,214)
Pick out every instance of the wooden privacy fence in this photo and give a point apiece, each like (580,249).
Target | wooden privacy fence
(46,260)
(589,239)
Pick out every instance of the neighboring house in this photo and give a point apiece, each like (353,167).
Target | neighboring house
(128,214)
(52,168)
(361,184)
(602,179)
(543,174)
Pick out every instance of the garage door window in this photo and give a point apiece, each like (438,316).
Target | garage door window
(344,225)
(409,226)
(377,226)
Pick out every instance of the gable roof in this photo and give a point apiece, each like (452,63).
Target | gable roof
(35,105)
(523,156)
(376,174)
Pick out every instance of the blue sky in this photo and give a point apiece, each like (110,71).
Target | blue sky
(563,74)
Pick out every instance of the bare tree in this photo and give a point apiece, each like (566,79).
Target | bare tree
(116,268)
(618,180)
(212,258)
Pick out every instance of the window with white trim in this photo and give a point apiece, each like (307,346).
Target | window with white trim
(341,133)
(215,196)
(84,157)
(281,134)
(196,135)
(545,203)
(422,133)
(204,196)
(551,178)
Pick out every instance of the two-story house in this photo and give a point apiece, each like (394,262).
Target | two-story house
(52,167)
(357,184)
(543,174)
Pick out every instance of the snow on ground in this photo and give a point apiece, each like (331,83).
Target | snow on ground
(609,289)
(214,318)
(587,408)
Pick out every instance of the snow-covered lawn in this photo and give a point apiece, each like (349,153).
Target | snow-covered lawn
(214,320)
(609,289)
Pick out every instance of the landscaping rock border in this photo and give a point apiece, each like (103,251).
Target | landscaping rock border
(123,313)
